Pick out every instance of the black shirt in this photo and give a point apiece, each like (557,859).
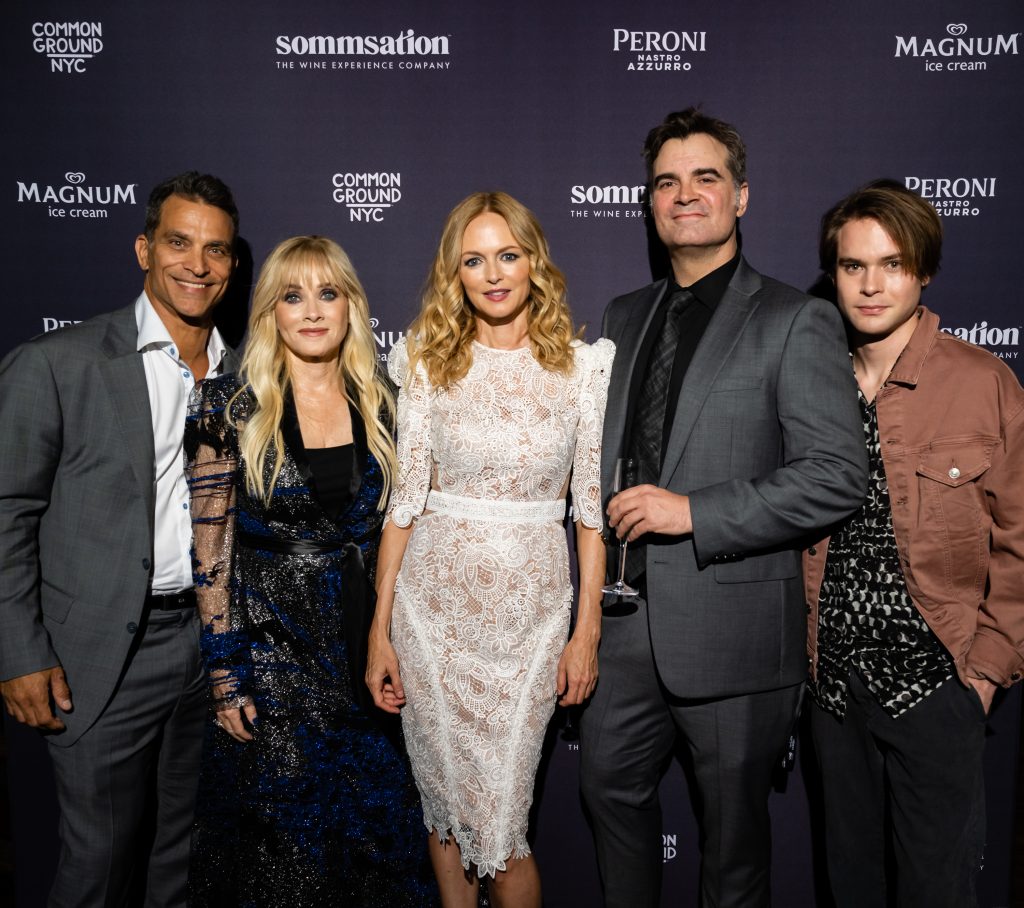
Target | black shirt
(708,293)
(332,470)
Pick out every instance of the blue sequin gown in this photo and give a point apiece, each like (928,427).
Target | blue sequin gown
(320,809)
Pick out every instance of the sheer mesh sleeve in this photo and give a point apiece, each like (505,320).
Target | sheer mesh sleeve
(211,468)
(414,459)
(594,363)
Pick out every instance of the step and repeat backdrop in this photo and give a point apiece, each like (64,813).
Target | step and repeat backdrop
(368,121)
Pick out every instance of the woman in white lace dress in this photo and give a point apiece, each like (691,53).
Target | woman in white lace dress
(499,406)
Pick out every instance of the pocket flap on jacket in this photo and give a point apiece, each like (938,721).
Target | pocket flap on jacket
(756,568)
(737,383)
(955,465)
(54,603)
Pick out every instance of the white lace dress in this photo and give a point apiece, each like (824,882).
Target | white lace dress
(483,595)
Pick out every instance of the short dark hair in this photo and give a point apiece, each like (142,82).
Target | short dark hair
(684,123)
(909,220)
(196,187)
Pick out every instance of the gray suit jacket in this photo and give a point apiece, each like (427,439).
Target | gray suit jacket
(76,507)
(767,442)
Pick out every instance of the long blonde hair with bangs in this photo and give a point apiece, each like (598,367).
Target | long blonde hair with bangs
(311,260)
(441,334)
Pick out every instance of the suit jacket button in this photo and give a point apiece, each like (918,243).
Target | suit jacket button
(812,551)
(146,564)
(131,627)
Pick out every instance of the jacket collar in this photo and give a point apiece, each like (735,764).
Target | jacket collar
(153,334)
(908,366)
(121,337)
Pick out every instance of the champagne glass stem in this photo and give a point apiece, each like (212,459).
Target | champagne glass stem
(625,477)
(622,561)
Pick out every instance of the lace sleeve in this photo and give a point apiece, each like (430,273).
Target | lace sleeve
(211,467)
(594,363)
(414,458)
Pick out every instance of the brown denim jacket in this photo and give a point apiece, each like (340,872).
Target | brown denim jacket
(951,425)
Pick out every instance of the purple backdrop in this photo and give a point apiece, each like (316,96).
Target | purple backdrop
(368,124)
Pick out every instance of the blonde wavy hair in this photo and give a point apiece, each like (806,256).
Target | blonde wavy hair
(441,334)
(309,260)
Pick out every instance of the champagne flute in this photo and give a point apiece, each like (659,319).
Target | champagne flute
(624,477)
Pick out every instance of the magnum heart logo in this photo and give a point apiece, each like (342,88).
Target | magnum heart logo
(956,28)
(74,177)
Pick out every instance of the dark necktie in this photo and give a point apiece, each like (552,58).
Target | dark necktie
(649,416)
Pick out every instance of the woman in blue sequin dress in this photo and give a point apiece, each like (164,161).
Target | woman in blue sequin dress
(305,795)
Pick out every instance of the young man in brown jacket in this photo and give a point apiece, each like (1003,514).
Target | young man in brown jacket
(915,602)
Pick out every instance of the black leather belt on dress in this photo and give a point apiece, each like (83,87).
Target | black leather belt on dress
(166,602)
(288,546)
(359,600)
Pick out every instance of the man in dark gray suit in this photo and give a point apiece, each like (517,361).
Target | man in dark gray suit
(98,626)
(733,394)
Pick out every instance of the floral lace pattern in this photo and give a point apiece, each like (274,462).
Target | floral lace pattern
(482,605)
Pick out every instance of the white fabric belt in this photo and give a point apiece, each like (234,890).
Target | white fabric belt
(490,509)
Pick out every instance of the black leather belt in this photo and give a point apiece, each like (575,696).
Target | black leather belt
(166,602)
(359,598)
(288,546)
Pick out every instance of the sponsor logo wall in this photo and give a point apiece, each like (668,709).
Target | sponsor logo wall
(403,51)
(385,338)
(658,51)
(954,196)
(607,201)
(367,123)
(68,46)
(956,51)
(76,198)
(367,195)
(1001,342)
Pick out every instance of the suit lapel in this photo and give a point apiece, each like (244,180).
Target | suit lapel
(294,448)
(360,451)
(715,348)
(231,361)
(125,378)
(628,335)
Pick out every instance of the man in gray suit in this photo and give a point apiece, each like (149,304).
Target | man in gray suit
(98,626)
(733,394)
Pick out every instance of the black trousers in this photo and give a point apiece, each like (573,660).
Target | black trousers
(911,787)
(628,733)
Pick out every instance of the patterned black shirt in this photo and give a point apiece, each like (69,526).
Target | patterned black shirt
(866,619)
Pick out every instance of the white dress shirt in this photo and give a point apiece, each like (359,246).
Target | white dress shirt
(170,382)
